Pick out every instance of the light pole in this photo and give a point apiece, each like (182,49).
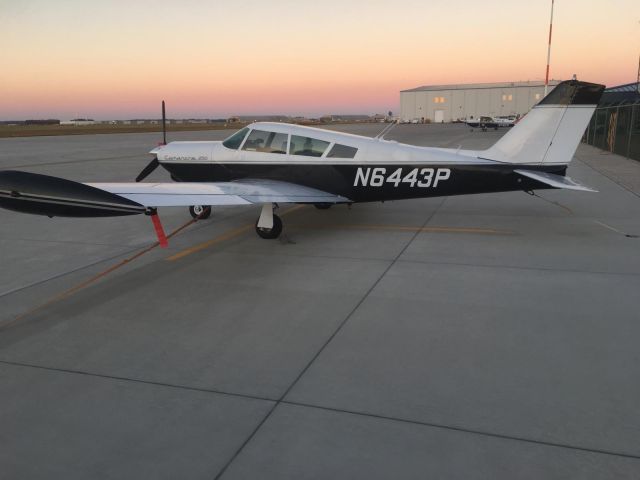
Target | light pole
(546,78)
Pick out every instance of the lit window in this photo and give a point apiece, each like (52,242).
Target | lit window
(538,96)
(438,99)
(266,142)
(507,98)
(309,147)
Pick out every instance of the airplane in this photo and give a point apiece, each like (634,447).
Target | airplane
(505,120)
(483,122)
(275,163)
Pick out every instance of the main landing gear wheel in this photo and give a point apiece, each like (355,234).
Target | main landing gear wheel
(270,233)
(323,206)
(200,212)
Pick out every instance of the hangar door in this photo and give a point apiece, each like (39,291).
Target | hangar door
(439,116)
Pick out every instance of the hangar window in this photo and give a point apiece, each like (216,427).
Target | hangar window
(342,151)
(438,99)
(235,140)
(507,98)
(266,142)
(307,146)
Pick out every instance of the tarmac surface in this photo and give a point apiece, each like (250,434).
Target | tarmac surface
(487,336)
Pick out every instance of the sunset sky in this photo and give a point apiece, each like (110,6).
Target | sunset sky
(117,59)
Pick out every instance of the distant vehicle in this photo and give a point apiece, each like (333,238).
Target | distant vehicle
(506,121)
(483,123)
(269,164)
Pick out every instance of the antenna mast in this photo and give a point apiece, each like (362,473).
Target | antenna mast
(546,78)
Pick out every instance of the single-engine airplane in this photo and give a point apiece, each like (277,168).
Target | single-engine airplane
(274,163)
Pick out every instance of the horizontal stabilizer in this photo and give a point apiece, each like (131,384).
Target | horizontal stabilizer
(555,181)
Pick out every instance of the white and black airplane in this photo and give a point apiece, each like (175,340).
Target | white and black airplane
(274,163)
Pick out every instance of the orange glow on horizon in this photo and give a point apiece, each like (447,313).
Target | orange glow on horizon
(214,59)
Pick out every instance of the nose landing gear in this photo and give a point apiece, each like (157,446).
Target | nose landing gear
(201,212)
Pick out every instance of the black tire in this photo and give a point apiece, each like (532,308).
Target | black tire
(270,233)
(201,212)
(323,206)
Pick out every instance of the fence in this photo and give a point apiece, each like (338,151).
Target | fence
(616,129)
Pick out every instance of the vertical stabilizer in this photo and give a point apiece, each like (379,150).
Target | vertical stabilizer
(551,131)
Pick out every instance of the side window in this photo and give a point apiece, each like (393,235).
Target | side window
(342,151)
(267,142)
(307,146)
(235,140)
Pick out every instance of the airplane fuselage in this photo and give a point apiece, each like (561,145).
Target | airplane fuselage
(362,183)
(378,170)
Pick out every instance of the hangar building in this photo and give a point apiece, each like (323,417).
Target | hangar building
(446,103)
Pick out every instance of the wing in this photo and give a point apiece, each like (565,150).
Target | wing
(241,192)
(555,181)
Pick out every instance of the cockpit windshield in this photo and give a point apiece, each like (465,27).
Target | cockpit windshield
(235,140)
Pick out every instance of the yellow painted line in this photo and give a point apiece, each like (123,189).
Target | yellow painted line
(222,238)
(486,231)
(210,243)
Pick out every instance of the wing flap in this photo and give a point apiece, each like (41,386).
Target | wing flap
(555,181)
(243,192)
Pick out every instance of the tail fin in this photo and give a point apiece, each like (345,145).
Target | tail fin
(551,131)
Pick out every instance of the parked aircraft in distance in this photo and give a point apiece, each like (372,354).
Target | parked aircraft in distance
(274,163)
(483,123)
(506,120)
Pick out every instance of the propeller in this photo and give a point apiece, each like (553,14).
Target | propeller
(146,171)
(153,164)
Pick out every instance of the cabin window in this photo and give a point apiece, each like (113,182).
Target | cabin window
(307,146)
(266,142)
(342,151)
(235,140)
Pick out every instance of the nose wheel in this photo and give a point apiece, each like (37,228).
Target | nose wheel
(200,212)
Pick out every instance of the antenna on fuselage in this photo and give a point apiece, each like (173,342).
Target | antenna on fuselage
(386,130)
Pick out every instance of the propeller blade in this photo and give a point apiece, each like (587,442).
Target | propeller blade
(146,171)
(164,125)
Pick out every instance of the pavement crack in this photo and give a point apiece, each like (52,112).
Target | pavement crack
(461,429)
(337,330)
(136,380)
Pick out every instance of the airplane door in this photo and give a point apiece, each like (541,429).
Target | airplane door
(439,116)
